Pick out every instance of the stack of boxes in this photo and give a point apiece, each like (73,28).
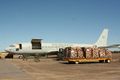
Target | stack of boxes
(96,53)
(89,52)
(80,52)
(86,52)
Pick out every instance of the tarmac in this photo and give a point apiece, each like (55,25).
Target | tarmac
(8,71)
(50,69)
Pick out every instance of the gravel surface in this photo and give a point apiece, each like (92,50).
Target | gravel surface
(50,69)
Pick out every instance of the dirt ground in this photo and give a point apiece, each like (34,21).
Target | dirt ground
(50,69)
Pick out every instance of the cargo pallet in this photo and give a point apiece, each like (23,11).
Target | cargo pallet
(79,60)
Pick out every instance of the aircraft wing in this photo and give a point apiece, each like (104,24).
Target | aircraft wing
(113,46)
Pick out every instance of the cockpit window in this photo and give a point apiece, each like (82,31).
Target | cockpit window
(12,46)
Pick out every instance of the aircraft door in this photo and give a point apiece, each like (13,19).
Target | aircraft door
(36,44)
(20,46)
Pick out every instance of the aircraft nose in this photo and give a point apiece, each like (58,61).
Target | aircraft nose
(9,49)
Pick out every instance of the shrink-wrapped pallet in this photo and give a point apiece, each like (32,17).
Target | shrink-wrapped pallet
(89,52)
(79,52)
(95,53)
(102,53)
(108,54)
(73,53)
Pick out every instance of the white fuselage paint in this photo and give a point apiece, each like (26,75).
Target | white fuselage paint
(46,47)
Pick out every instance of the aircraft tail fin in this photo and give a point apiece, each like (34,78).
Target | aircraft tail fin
(102,40)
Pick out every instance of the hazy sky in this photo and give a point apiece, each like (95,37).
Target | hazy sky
(79,21)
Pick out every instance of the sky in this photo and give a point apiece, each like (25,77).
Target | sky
(70,21)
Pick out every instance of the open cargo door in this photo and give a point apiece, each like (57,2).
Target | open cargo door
(36,43)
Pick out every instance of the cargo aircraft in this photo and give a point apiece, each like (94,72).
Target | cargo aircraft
(113,46)
(37,47)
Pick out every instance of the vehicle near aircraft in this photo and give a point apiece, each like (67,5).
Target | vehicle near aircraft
(86,54)
(37,48)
